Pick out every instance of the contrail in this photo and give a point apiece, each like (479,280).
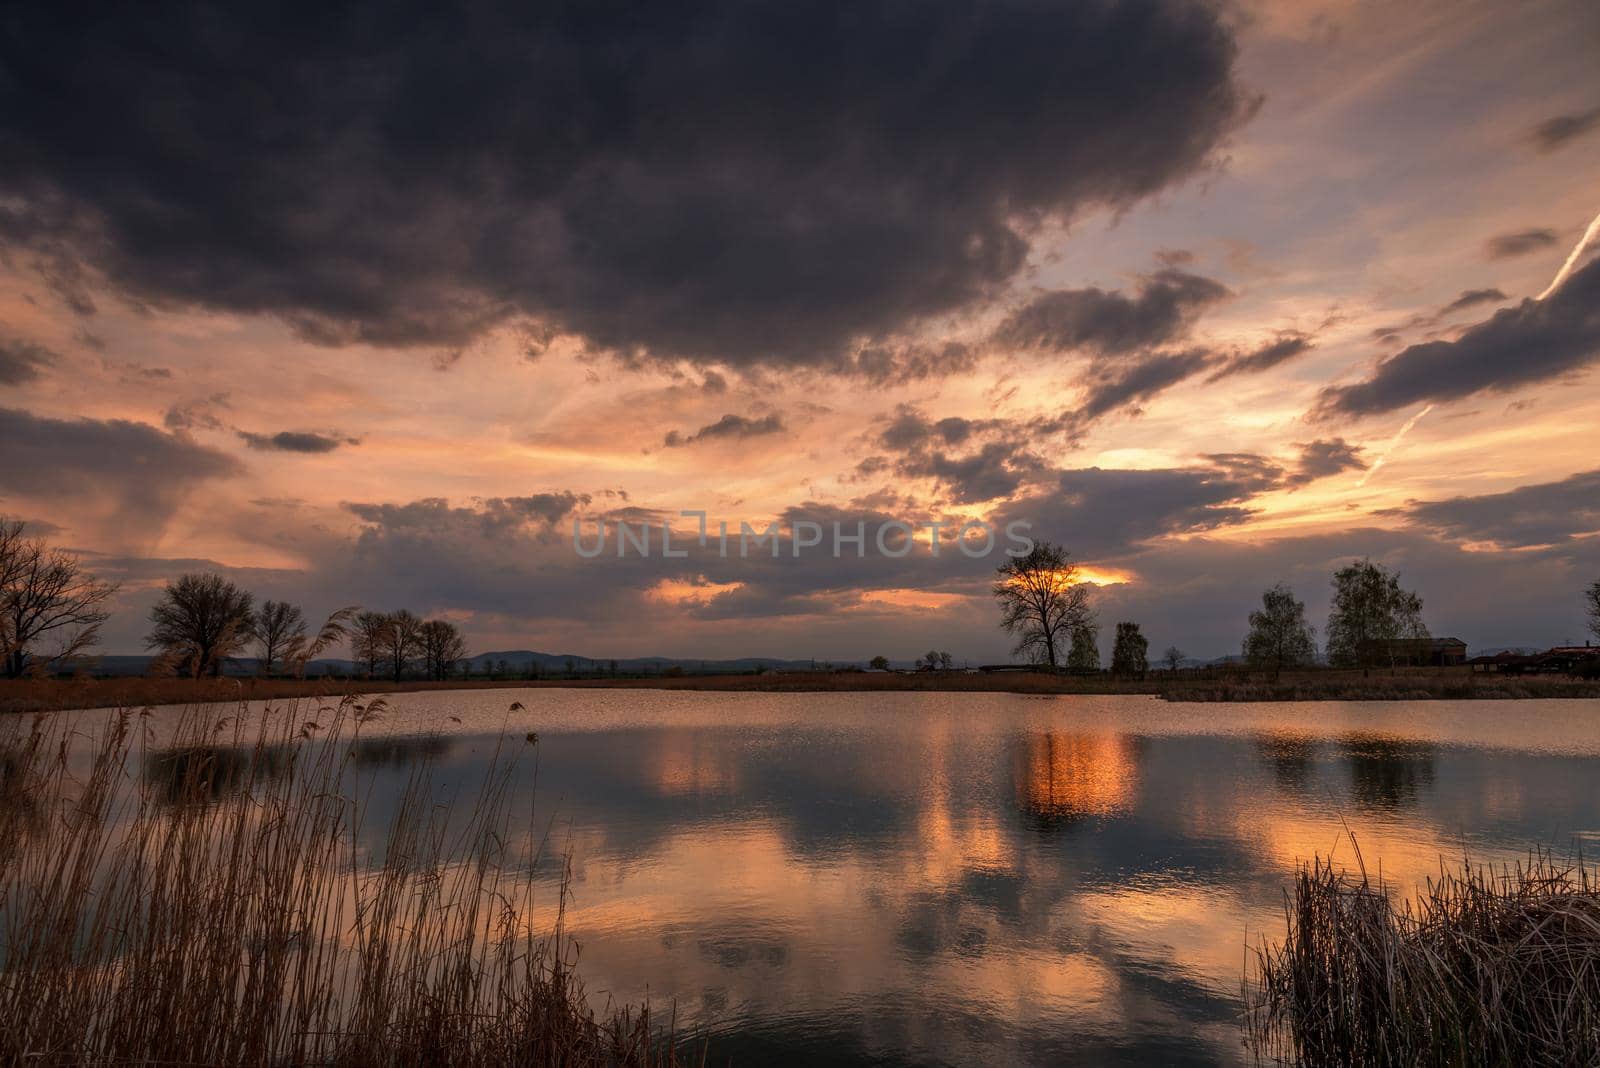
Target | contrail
(1566,268)
(1394,443)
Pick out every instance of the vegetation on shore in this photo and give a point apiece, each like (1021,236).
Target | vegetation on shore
(1406,684)
(248,911)
(1481,966)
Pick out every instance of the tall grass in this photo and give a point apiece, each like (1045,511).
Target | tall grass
(246,911)
(1484,966)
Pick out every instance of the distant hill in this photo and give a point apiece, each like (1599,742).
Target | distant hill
(519,662)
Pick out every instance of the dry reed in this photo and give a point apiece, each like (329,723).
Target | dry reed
(1483,966)
(232,908)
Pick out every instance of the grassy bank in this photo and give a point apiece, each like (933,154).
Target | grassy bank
(1352,686)
(40,695)
(247,911)
(1482,967)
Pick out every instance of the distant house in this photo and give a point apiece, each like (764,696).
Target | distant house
(1559,660)
(1420,652)
(1506,661)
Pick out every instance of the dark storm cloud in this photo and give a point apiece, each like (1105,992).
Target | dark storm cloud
(294,441)
(884,364)
(1109,322)
(910,429)
(1100,512)
(494,519)
(1548,513)
(1124,384)
(1517,346)
(996,469)
(1268,356)
(715,180)
(974,459)
(21,361)
(1556,131)
(1471,298)
(1322,458)
(1519,243)
(730,426)
(138,470)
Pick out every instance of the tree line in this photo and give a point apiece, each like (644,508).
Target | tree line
(51,610)
(202,619)
(1371,620)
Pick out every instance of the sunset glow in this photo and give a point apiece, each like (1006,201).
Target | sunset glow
(1256,310)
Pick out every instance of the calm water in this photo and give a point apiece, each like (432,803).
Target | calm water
(960,878)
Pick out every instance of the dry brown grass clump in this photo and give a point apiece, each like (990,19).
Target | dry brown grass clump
(1486,966)
(234,909)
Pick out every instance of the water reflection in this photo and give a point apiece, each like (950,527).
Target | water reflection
(1291,755)
(1062,777)
(1388,772)
(921,878)
(209,773)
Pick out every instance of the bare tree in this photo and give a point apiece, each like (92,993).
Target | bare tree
(1591,597)
(280,631)
(1173,658)
(402,640)
(44,593)
(1279,635)
(442,646)
(200,621)
(369,637)
(1041,602)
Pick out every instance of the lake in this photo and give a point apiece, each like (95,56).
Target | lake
(923,878)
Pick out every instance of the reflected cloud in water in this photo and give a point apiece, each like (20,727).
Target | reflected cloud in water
(920,879)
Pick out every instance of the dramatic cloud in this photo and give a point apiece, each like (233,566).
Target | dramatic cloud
(1110,323)
(1530,342)
(137,471)
(21,361)
(293,441)
(996,470)
(1117,385)
(883,364)
(1100,513)
(1546,513)
(495,517)
(1520,243)
(987,470)
(1554,132)
(1471,298)
(1319,459)
(717,181)
(1270,355)
(730,426)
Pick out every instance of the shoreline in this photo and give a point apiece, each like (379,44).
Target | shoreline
(1406,684)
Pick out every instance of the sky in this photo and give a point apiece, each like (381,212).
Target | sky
(368,305)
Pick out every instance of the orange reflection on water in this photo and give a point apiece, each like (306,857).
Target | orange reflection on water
(684,765)
(1061,775)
